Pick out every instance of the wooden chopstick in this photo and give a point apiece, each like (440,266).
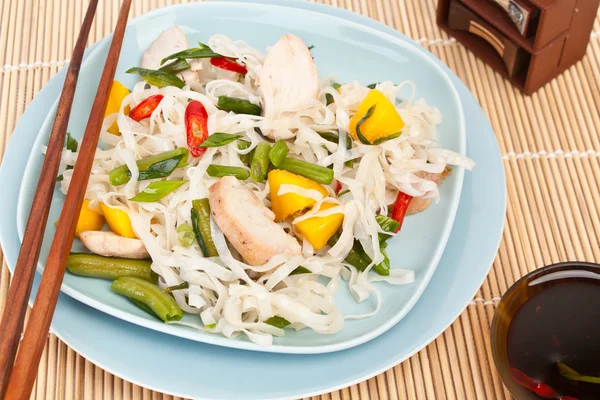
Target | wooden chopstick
(16,302)
(25,367)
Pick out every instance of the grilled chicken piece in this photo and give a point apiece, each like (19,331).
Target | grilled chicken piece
(170,41)
(288,76)
(108,244)
(248,224)
(419,204)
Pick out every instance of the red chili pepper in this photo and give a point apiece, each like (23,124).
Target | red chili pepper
(196,127)
(537,387)
(145,108)
(229,65)
(337,186)
(400,207)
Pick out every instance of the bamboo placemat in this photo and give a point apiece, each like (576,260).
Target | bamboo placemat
(550,146)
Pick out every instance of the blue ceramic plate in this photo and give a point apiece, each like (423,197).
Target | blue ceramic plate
(180,367)
(339,43)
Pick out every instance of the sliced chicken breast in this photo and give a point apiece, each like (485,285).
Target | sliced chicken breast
(289,76)
(109,244)
(248,224)
(170,41)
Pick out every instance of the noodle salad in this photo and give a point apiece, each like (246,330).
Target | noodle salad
(245,189)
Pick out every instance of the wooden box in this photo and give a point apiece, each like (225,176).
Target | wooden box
(555,38)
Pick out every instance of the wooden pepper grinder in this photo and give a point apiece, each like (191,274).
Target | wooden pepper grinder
(530,42)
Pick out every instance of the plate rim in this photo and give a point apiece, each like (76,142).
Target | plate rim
(218,340)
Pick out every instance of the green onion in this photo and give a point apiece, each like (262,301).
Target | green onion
(210,326)
(200,213)
(185,234)
(362,121)
(153,167)
(278,322)
(157,190)
(203,52)
(181,286)
(260,162)
(159,79)
(311,171)
(278,152)
(238,106)
(176,67)
(219,139)
(218,171)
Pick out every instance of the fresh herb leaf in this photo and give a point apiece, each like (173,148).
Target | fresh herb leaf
(160,169)
(72,144)
(219,139)
(196,52)
(385,139)
(159,79)
(176,66)
(311,47)
(60,178)
(300,270)
(278,322)
(570,374)
(336,85)
(181,286)
(157,190)
(343,192)
(372,85)
(364,119)
(328,98)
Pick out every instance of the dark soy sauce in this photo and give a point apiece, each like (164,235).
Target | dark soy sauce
(561,323)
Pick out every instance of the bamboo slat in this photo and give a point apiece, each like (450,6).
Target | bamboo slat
(551,153)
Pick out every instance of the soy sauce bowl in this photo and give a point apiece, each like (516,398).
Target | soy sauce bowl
(582,280)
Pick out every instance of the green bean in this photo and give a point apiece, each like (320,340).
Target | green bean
(388,225)
(157,166)
(185,235)
(360,260)
(243,145)
(311,171)
(278,322)
(96,266)
(144,292)
(176,66)
(355,257)
(260,162)
(238,106)
(159,79)
(201,223)
(157,190)
(217,171)
(278,152)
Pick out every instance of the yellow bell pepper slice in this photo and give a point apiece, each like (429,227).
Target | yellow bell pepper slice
(318,230)
(118,221)
(290,203)
(89,220)
(382,124)
(118,92)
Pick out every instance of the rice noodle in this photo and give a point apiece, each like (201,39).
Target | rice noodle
(227,294)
